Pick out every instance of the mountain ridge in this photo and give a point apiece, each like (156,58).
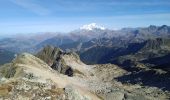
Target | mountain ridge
(28,75)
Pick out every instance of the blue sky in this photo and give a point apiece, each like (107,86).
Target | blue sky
(31,16)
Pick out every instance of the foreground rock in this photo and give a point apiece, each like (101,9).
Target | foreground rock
(65,63)
(28,77)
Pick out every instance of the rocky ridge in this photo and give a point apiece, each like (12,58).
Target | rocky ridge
(28,77)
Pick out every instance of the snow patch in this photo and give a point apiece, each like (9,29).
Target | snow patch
(92,26)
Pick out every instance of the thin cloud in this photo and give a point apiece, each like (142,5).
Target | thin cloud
(138,16)
(140,3)
(36,8)
(94,5)
(112,2)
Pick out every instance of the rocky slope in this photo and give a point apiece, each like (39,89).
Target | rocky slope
(28,77)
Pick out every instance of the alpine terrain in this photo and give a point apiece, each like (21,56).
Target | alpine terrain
(90,63)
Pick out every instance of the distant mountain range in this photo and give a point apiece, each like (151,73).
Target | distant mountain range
(6,56)
(93,40)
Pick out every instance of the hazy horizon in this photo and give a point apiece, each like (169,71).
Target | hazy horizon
(32,16)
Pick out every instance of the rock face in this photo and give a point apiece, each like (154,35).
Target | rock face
(49,54)
(55,58)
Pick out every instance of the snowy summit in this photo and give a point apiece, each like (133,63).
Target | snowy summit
(92,26)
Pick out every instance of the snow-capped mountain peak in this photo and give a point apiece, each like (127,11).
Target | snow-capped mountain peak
(91,27)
